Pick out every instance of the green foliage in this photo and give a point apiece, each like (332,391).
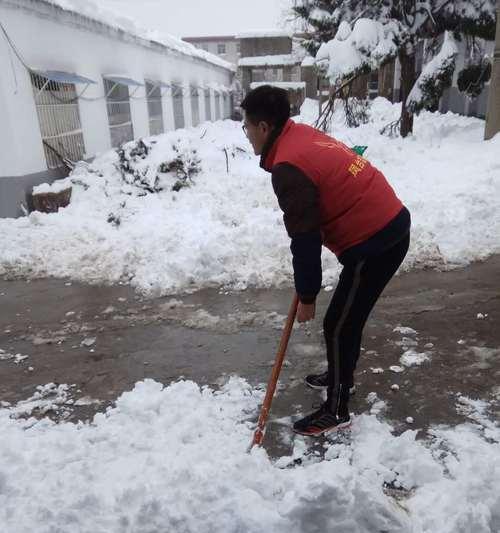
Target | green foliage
(471,79)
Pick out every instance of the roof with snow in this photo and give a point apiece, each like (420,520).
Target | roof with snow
(96,12)
(308,61)
(290,85)
(269,61)
(252,34)
(209,38)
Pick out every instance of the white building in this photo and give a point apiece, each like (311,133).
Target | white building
(78,82)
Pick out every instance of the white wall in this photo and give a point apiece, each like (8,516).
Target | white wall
(62,45)
(21,148)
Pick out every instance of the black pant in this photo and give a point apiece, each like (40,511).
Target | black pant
(360,284)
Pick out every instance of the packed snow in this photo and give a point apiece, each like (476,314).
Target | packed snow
(173,458)
(205,235)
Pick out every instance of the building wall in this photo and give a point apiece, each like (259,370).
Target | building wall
(264,46)
(308,74)
(68,42)
(211,45)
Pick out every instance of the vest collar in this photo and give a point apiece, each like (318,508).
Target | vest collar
(269,149)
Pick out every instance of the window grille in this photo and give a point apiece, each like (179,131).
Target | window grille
(227,105)
(217,106)
(119,117)
(59,120)
(178,97)
(208,105)
(195,106)
(155,108)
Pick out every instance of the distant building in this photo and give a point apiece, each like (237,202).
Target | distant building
(264,57)
(226,47)
(74,85)
(272,57)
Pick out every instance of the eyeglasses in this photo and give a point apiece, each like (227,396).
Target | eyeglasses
(245,131)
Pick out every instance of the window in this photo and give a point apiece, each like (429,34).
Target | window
(59,119)
(118,105)
(217,106)
(226,105)
(373,85)
(208,105)
(204,47)
(155,108)
(258,74)
(238,47)
(178,99)
(221,48)
(195,106)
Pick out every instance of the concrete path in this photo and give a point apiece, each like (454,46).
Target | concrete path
(104,339)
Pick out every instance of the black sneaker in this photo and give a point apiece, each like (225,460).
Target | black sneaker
(320,381)
(321,422)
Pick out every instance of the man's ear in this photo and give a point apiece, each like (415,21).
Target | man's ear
(264,126)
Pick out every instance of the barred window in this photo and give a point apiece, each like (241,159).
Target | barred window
(155,108)
(178,97)
(119,117)
(227,105)
(59,120)
(208,105)
(217,106)
(195,106)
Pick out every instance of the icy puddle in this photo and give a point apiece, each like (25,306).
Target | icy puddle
(173,459)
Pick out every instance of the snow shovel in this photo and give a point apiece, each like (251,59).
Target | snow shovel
(273,380)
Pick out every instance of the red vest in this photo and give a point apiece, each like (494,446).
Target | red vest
(356,201)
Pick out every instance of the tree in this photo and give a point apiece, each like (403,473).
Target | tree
(353,37)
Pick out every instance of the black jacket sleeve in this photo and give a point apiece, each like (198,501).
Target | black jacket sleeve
(299,200)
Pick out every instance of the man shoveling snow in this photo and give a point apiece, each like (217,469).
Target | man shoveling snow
(330,196)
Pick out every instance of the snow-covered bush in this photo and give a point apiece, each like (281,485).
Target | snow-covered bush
(139,169)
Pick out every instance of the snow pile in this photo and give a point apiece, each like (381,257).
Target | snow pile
(174,459)
(226,229)
(54,188)
(47,398)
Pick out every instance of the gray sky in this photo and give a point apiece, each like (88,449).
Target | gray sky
(204,17)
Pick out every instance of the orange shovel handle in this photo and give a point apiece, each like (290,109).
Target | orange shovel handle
(273,380)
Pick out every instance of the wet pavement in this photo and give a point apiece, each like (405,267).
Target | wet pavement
(102,340)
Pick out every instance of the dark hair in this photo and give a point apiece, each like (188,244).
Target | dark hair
(267,103)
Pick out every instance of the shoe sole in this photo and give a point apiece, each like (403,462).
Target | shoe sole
(327,431)
(352,390)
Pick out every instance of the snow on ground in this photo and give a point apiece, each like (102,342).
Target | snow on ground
(174,459)
(227,228)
